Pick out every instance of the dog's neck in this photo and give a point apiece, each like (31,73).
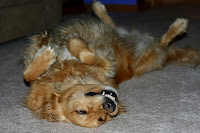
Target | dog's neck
(83,79)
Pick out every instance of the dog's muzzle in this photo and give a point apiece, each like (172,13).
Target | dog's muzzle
(110,97)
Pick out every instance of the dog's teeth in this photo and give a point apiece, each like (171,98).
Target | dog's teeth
(108,95)
(111,97)
(103,93)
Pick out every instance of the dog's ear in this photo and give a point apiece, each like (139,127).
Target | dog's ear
(50,108)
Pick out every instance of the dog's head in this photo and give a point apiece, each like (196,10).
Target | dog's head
(87,105)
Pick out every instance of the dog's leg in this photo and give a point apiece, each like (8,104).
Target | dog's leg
(79,49)
(177,28)
(152,59)
(100,11)
(159,55)
(182,56)
(40,63)
(179,55)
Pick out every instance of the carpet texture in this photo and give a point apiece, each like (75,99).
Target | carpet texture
(162,101)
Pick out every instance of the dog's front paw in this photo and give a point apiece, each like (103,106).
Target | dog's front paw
(80,50)
(40,63)
(46,56)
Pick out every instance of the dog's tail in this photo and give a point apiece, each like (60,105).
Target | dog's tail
(176,29)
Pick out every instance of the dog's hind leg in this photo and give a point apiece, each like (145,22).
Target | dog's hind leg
(159,54)
(151,59)
(40,63)
(176,29)
(176,55)
(181,56)
(101,12)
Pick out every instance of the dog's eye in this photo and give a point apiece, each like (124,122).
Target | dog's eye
(100,119)
(82,112)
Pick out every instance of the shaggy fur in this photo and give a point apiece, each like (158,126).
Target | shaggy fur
(75,71)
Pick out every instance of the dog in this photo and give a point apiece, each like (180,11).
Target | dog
(75,70)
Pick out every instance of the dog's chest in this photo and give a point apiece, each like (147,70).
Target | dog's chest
(64,54)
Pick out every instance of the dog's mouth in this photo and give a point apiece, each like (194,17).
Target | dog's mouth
(109,96)
(110,103)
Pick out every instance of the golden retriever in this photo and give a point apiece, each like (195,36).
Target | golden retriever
(75,70)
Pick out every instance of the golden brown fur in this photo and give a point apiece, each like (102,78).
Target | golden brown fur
(74,72)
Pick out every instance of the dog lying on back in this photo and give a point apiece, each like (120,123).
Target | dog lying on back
(75,72)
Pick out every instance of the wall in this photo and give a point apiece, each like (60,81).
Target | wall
(166,2)
(114,2)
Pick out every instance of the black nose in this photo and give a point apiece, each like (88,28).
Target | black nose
(109,105)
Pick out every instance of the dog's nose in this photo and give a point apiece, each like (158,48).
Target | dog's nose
(109,105)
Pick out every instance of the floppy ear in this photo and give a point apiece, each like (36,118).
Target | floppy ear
(50,108)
